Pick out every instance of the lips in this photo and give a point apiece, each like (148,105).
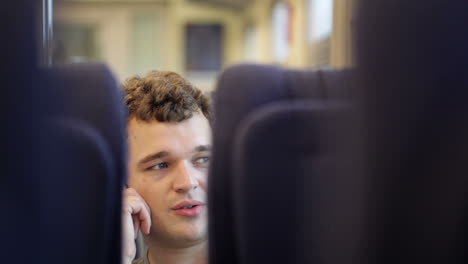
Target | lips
(188,208)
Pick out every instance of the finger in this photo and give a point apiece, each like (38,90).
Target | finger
(144,215)
(138,206)
(136,225)
(129,249)
(145,220)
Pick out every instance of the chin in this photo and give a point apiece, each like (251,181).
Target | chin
(191,234)
(194,235)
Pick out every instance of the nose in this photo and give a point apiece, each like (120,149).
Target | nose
(185,179)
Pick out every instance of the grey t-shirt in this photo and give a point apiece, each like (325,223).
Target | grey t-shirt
(143,259)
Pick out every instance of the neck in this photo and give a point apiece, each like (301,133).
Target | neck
(194,254)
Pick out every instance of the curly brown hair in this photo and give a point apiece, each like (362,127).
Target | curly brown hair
(164,96)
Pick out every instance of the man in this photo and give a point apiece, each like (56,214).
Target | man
(169,137)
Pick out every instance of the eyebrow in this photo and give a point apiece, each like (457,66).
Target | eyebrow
(153,156)
(163,154)
(202,148)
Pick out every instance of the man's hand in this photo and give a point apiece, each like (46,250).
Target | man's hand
(135,216)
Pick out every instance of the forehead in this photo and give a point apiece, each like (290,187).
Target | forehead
(145,138)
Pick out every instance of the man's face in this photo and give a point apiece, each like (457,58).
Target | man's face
(168,166)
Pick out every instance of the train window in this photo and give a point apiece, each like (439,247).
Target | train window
(281,33)
(203,47)
(145,43)
(250,43)
(75,43)
(320,25)
(197,39)
(320,19)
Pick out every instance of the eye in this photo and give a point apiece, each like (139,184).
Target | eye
(202,160)
(159,166)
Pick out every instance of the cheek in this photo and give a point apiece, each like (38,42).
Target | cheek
(152,192)
(155,201)
(146,182)
(203,185)
(203,179)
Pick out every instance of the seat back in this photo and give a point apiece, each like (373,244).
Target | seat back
(293,201)
(64,146)
(19,82)
(413,63)
(82,165)
(242,91)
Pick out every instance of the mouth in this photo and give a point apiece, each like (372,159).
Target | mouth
(188,208)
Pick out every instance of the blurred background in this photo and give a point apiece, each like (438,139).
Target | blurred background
(199,38)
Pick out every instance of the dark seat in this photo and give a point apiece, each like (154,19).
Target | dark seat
(294,192)
(64,152)
(413,62)
(264,115)
(20,85)
(65,145)
(82,165)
